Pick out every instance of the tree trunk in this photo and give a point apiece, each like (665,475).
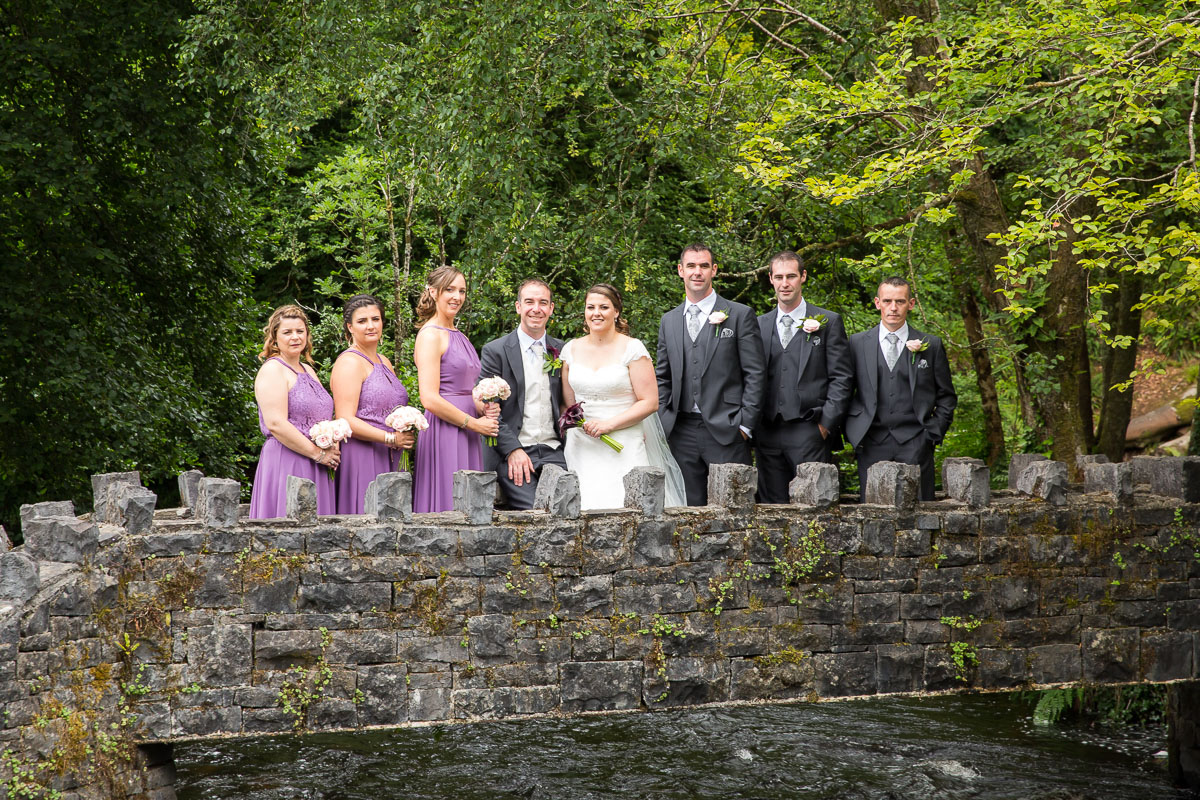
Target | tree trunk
(1194,441)
(1117,407)
(964,287)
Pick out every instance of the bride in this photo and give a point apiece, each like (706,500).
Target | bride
(612,375)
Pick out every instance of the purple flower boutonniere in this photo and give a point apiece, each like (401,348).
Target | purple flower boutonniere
(551,364)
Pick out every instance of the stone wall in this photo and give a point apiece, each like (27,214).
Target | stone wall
(133,626)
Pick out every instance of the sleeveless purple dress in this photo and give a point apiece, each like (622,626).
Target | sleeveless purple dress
(446,448)
(362,461)
(308,404)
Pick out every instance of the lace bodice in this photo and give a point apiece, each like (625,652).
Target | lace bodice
(605,390)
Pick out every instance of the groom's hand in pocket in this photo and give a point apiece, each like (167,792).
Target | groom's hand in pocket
(520,468)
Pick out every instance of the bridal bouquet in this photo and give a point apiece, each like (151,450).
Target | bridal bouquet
(573,417)
(402,419)
(327,433)
(491,390)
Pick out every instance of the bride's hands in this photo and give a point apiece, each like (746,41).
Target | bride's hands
(597,428)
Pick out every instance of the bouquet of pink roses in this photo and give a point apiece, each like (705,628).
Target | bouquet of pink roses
(327,433)
(491,390)
(406,418)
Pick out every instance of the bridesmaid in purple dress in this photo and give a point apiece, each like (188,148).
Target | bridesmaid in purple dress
(447,370)
(290,401)
(365,390)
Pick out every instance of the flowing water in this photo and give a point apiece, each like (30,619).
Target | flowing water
(944,748)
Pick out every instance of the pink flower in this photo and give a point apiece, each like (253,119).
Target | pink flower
(717,317)
(491,390)
(915,345)
(811,325)
(323,440)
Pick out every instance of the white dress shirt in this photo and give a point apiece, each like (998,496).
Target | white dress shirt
(537,427)
(797,314)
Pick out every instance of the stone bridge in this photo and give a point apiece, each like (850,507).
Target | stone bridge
(129,628)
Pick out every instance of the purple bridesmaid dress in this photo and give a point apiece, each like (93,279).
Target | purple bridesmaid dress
(308,404)
(362,460)
(446,448)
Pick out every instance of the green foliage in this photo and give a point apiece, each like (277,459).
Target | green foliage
(1121,706)
(126,248)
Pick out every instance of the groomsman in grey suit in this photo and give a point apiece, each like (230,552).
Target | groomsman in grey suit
(527,359)
(904,398)
(809,381)
(710,375)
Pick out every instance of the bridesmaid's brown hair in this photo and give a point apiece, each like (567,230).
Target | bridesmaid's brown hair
(438,281)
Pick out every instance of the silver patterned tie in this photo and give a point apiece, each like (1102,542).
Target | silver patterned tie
(788,331)
(892,351)
(535,351)
(693,322)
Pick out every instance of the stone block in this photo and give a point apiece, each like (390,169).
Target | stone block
(103,507)
(491,637)
(654,544)
(732,486)
(564,499)
(1169,476)
(1167,656)
(220,655)
(815,485)
(19,578)
(217,506)
(601,685)
(890,483)
(1082,461)
(1055,663)
(61,539)
(1110,654)
(5,542)
(1115,479)
(389,496)
(688,682)
(967,480)
(844,674)
(545,487)
(900,668)
(1017,465)
(645,490)
(301,496)
(55,508)
(134,507)
(189,488)
(1190,479)
(475,495)
(1045,479)
(385,694)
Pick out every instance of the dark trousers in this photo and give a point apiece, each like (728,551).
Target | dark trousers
(916,450)
(695,449)
(780,448)
(521,497)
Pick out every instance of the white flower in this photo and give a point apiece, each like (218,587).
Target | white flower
(341,430)
(323,440)
(717,317)
(916,345)
(811,325)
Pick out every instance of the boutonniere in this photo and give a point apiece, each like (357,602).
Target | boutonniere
(716,318)
(811,325)
(551,363)
(916,346)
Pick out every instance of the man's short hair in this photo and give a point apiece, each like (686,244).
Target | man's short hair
(785,255)
(695,247)
(534,282)
(898,282)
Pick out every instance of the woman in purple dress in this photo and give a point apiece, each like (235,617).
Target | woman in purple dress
(365,390)
(290,401)
(447,370)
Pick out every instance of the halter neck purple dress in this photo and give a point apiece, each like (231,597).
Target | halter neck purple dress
(362,461)
(308,404)
(446,448)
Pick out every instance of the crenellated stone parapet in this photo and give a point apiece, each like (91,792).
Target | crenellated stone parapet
(184,623)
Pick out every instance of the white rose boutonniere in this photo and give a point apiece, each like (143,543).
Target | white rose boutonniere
(715,319)
(811,325)
(916,346)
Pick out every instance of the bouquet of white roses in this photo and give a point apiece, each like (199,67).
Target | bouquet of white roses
(491,390)
(327,433)
(406,418)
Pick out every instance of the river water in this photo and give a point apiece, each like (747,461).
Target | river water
(943,748)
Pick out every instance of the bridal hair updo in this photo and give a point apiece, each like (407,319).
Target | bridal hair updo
(438,281)
(610,291)
(270,347)
(354,304)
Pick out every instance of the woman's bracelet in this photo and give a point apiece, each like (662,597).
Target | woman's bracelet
(320,459)
(466,419)
(389,439)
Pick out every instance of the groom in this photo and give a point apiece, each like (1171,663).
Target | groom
(527,359)
(710,375)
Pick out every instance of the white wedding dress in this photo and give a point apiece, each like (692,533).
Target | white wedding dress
(605,392)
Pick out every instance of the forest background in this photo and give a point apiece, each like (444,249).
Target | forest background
(170,171)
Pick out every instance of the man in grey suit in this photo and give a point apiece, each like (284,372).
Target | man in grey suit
(710,375)
(808,385)
(527,359)
(904,397)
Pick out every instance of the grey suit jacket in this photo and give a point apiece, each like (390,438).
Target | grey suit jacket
(502,357)
(731,386)
(929,378)
(821,374)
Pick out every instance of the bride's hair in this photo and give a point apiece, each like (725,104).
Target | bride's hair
(610,291)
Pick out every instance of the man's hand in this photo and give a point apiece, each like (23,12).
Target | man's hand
(520,467)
